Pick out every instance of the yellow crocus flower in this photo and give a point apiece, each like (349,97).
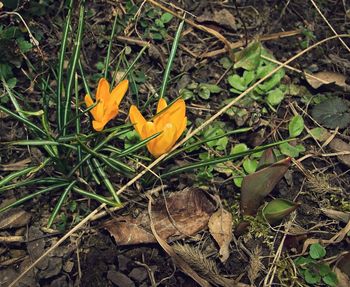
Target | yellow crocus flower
(171,123)
(107,106)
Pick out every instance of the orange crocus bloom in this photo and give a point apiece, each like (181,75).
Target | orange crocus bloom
(171,122)
(107,106)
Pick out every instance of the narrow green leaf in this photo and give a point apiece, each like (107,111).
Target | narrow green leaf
(75,58)
(32,195)
(60,203)
(171,60)
(97,197)
(64,42)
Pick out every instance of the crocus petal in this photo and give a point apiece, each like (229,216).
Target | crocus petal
(165,141)
(181,128)
(102,92)
(110,114)
(89,102)
(100,110)
(148,130)
(177,113)
(119,91)
(161,105)
(137,120)
(161,119)
(98,125)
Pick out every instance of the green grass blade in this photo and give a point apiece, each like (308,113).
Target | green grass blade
(75,58)
(171,60)
(61,64)
(97,197)
(110,46)
(16,174)
(29,182)
(60,203)
(111,136)
(106,180)
(77,121)
(216,160)
(92,172)
(134,62)
(32,195)
(137,146)
(24,120)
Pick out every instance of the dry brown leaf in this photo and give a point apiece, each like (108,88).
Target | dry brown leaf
(343,279)
(16,165)
(183,214)
(14,218)
(339,145)
(182,264)
(336,214)
(220,227)
(223,18)
(327,78)
(334,240)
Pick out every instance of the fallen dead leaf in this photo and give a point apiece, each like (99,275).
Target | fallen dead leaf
(343,279)
(222,18)
(339,145)
(16,165)
(327,78)
(14,218)
(184,213)
(220,227)
(337,215)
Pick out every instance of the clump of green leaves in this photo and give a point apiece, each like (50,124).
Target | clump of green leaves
(199,91)
(155,23)
(313,270)
(252,65)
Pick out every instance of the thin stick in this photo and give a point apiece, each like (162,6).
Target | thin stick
(329,25)
(158,160)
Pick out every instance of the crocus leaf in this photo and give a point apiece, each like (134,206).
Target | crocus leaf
(257,185)
(277,209)
(249,58)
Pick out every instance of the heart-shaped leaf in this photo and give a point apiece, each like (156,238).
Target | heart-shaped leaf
(332,113)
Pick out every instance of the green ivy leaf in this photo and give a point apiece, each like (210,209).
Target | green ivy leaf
(296,126)
(24,45)
(317,251)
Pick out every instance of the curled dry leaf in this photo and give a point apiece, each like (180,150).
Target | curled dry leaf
(337,215)
(14,218)
(222,18)
(220,227)
(184,213)
(327,78)
(339,146)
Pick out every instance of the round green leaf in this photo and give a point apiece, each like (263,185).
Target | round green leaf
(275,97)
(317,251)
(296,126)
(311,277)
(330,279)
